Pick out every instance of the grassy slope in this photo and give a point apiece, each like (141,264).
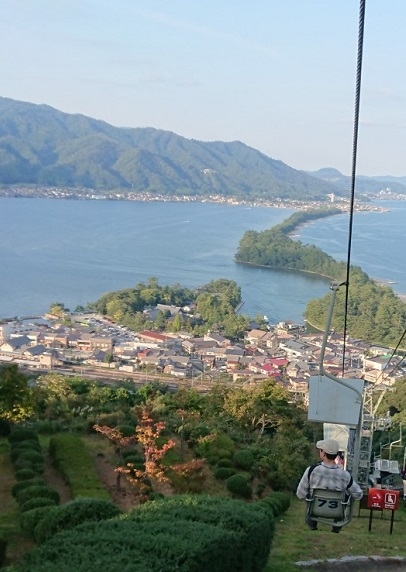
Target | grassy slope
(293,541)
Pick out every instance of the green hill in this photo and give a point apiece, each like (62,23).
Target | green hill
(42,146)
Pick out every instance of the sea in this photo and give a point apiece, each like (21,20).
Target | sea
(74,251)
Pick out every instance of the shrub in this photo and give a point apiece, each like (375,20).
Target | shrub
(195,434)
(37,491)
(22,434)
(275,504)
(215,447)
(224,463)
(277,481)
(73,513)
(31,518)
(244,459)
(21,485)
(125,545)
(187,533)
(282,498)
(252,529)
(260,489)
(26,444)
(34,457)
(23,463)
(223,473)
(24,474)
(37,502)
(127,430)
(135,456)
(238,486)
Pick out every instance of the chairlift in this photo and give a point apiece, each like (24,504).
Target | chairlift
(333,508)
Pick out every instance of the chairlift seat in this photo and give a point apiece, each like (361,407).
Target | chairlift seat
(333,508)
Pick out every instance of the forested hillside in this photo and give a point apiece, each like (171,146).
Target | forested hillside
(214,305)
(40,145)
(375,313)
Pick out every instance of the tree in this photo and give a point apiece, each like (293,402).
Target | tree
(58,309)
(117,438)
(148,433)
(16,403)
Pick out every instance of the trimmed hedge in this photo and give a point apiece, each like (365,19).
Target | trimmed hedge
(24,474)
(27,444)
(224,463)
(73,460)
(239,486)
(283,499)
(187,533)
(22,434)
(224,473)
(244,459)
(73,513)
(21,485)
(37,502)
(33,517)
(34,457)
(37,491)
(252,529)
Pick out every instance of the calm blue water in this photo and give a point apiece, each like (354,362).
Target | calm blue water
(378,241)
(75,251)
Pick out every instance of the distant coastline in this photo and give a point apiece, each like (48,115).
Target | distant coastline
(50,192)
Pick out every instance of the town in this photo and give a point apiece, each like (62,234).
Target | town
(92,346)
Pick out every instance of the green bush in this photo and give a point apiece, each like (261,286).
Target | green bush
(277,481)
(38,491)
(31,518)
(238,486)
(223,473)
(252,529)
(73,513)
(224,463)
(135,455)
(187,533)
(244,459)
(127,430)
(34,457)
(23,463)
(37,502)
(274,503)
(21,485)
(126,546)
(22,434)
(26,444)
(193,436)
(24,474)
(283,499)
(219,447)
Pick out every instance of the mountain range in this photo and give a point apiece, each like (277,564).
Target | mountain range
(41,146)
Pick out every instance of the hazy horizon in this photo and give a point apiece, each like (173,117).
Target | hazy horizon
(277,76)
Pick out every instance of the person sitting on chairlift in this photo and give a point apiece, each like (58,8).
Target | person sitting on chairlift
(327,475)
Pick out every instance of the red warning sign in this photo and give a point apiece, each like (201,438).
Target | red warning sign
(383,499)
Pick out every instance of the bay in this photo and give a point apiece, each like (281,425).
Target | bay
(378,241)
(75,251)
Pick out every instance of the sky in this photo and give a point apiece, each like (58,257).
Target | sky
(278,75)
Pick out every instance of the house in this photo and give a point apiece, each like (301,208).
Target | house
(220,341)
(18,344)
(154,337)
